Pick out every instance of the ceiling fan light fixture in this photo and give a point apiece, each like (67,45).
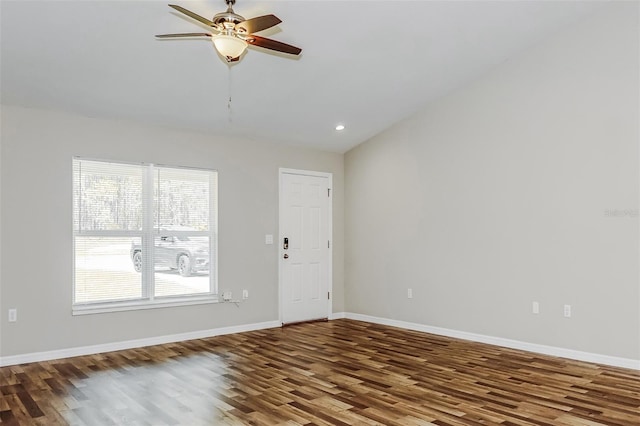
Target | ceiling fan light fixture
(229,46)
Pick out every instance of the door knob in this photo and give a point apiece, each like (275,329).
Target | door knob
(286,256)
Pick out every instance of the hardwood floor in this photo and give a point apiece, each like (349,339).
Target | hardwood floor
(340,372)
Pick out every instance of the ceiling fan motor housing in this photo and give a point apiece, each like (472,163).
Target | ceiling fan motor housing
(227,17)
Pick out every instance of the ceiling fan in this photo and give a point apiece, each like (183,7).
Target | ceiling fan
(232,33)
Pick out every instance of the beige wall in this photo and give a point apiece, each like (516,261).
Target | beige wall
(36,268)
(496,196)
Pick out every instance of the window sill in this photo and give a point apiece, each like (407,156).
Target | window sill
(102,308)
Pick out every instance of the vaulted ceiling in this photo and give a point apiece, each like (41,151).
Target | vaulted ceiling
(366,64)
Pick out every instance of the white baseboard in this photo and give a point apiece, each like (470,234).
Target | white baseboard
(508,343)
(139,343)
(337,315)
(131,344)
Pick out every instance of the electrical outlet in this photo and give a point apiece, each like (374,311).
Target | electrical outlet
(268,239)
(13,315)
(227,295)
(409,293)
(535,307)
(567,311)
(245,294)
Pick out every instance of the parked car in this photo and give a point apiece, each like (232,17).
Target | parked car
(186,254)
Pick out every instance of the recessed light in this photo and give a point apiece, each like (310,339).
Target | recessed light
(340,127)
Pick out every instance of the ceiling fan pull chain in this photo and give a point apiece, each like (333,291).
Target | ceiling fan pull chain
(229,101)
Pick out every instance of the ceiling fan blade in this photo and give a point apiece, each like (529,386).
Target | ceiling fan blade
(259,23)
(193,15)
(183,35)
(267,43)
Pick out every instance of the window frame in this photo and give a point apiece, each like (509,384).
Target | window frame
(148,234)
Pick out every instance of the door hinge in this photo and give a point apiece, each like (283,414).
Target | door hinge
(328,192)
(329,295)
(328,244)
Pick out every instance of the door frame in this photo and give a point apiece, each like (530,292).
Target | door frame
(329,176)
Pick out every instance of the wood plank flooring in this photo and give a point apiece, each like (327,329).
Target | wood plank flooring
(340,372)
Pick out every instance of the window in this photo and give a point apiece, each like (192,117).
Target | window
(143,235)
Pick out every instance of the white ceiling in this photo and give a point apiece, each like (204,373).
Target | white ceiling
(367,64)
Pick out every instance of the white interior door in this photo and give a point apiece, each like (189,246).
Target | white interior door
(305,245)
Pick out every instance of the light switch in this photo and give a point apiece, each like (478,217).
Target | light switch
(268,239)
